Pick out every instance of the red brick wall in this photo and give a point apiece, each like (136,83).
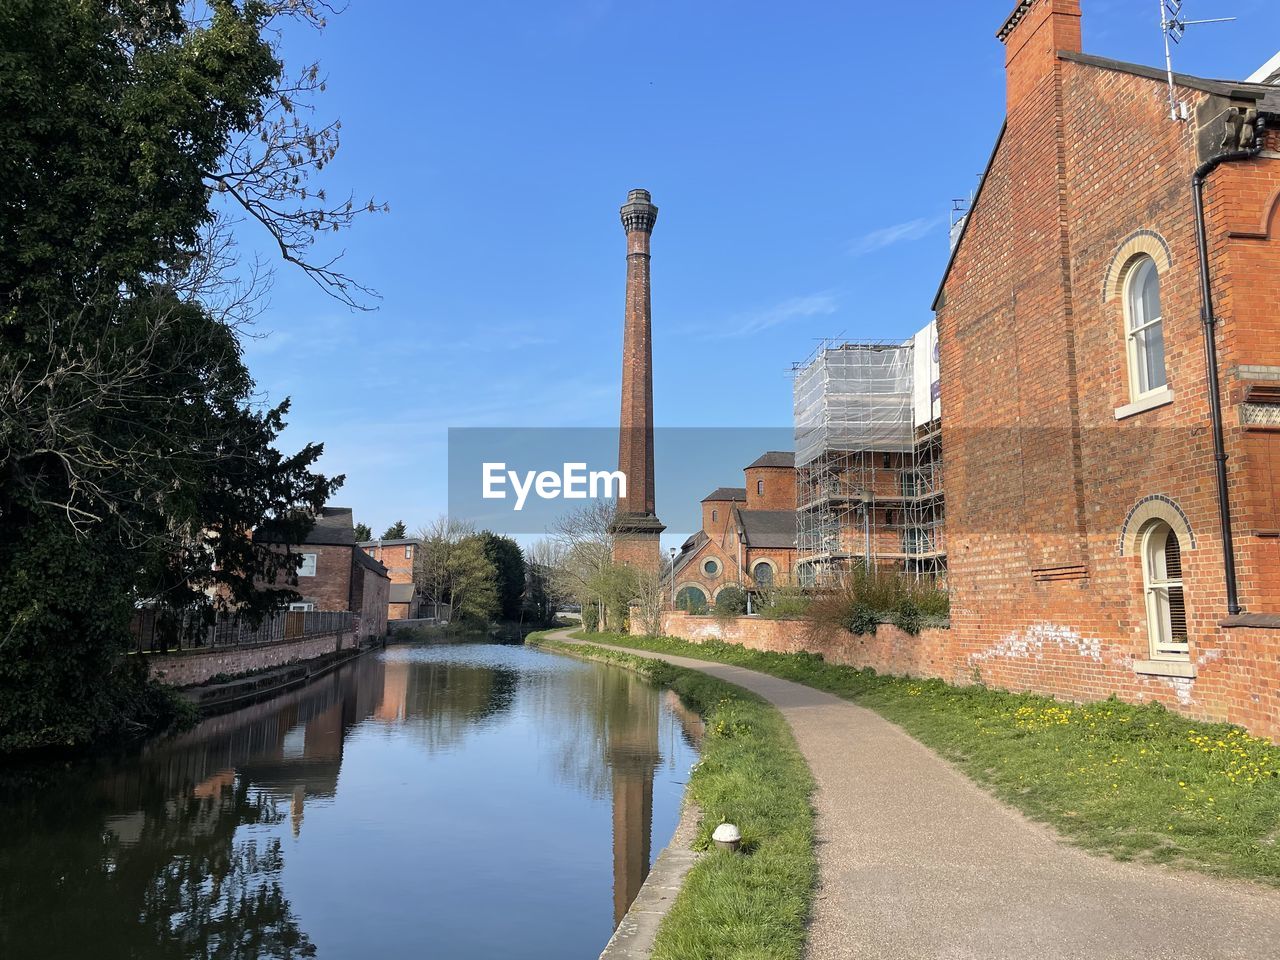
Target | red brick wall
(1225,689)
(1040,474)
(369,600)
(330,588)
(771,488)
(399,567)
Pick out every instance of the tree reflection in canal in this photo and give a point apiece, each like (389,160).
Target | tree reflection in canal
(181,850)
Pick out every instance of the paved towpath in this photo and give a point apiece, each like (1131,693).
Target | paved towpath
(916,861)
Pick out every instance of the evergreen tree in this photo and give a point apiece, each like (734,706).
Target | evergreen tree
(395,532)
(133,459)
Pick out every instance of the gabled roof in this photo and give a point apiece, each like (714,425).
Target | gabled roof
(774,458)
(1267,97)
(726,493)
(368,562)
(687,549)
(769,528)
(333,527)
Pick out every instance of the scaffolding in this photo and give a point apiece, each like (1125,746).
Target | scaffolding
(868,463)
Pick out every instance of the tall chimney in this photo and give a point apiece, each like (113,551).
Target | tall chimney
(637,528)
(1032,36)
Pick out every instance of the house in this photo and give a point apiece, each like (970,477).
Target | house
(334,574)
(748,535)
(1101,539)
(399,557)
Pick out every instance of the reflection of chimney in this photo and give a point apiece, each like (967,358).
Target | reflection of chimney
(295,808)
(633,757)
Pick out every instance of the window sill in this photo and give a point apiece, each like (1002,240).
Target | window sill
(1158,399)
(1166,668)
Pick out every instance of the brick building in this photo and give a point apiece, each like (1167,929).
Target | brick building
(398,556)
(335,574)
(748,535)
(1088,551)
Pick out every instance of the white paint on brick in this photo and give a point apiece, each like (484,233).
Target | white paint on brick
(1030,643)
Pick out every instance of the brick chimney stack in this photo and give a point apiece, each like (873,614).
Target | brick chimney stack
(1032,36)
(636,529)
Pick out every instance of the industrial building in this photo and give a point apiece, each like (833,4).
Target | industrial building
(868,459)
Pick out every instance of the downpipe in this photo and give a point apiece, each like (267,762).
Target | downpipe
(1209,322)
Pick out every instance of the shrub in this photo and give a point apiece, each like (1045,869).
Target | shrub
(906,614)
(867,598)
(784,603)
(590,618)
(731,602)
(862,619)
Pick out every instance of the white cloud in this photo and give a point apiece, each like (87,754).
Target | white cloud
(796,308)
(898,233)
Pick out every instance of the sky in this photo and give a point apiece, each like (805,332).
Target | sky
(803,158)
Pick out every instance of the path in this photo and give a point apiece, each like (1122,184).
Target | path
(916,861)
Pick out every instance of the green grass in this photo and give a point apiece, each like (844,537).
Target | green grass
(1138,783)
(735,906)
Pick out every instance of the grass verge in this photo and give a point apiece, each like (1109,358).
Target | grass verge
(1136,782)
(750,906)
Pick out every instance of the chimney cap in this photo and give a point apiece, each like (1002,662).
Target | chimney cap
(1014,19)
(639,195)
(639,213)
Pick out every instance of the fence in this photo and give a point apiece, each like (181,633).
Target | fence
(161,631)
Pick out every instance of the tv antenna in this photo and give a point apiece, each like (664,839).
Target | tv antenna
(1173,24)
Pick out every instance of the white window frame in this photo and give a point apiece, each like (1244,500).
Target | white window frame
(1156,588)
(408,551)
(303,606)
(1132,296)
(308,559)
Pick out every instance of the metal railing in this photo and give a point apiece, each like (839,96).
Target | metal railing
(160,631)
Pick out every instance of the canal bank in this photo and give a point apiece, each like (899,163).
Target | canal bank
(917,861)
(731,904)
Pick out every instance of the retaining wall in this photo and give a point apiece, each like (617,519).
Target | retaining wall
(192,667)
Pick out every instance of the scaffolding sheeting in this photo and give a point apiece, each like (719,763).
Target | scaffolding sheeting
(868,457)
(854,396)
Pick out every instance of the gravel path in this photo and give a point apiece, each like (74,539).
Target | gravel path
(916,861)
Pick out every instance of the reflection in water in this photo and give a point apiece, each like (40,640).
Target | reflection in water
(202,845)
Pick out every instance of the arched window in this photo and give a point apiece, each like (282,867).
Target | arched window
(692,599)
(762,573)
(715,516)
(1144,324)
(1162,582)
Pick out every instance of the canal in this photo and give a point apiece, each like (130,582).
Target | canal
(460,802)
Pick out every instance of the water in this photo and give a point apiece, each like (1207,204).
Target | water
(460,802)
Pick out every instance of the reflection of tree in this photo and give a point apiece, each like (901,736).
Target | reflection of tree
(146,856)
(443,701)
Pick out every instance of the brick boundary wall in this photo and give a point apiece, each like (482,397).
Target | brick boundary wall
(1237,678)
(191,668)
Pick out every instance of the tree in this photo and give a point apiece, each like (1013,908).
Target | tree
(473,593)
(395,532)
(582,543)
(363,533)
(134,454)
(508,565)
(431,566)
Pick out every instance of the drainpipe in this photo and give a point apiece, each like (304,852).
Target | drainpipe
(1211,357)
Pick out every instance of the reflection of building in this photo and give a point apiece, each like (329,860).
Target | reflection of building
(748,535)
(868,458)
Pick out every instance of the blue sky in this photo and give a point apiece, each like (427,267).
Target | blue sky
(803,157)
